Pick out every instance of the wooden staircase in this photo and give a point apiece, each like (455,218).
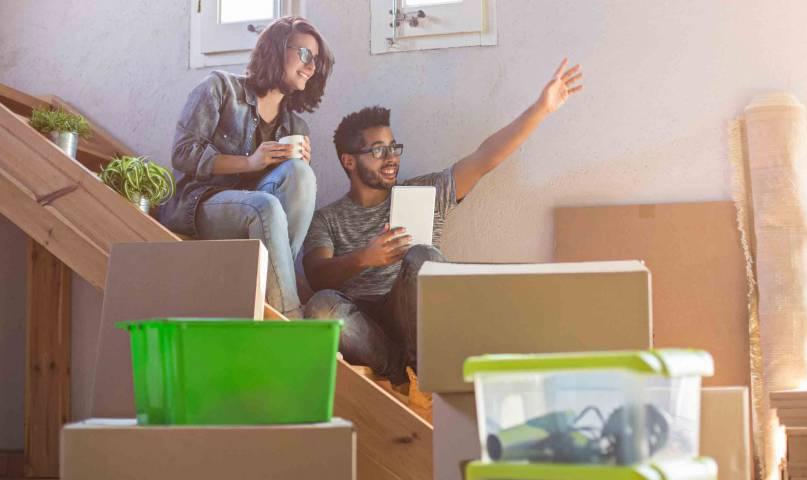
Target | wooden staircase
(69,214)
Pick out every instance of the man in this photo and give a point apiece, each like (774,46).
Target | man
(366,273)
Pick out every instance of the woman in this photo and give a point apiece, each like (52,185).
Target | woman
(234,180)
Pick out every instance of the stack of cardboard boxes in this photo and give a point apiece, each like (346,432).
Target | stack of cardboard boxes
(791,408)
(467,310)
(699,299)
(148,280)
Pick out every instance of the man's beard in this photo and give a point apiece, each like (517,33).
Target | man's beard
(373,179)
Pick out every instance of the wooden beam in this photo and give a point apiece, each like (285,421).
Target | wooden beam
(47,386)
(102,141)
(11,464)
(90,154)
(391,438)
(41,224)
(368,468)
(93,152)
(74,193)
(20,102)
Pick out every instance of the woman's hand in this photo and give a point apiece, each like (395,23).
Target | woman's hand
(307,149)
(268,154)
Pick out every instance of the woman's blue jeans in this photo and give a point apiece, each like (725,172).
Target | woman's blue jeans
(278,212)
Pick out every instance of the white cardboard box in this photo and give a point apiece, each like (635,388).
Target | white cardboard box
(456,438)
(120,450)
(204,278)
(726,431)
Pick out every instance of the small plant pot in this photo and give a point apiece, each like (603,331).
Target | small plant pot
(67,141)
(142,203)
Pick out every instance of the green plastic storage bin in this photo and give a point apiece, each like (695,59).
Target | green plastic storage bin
(233,372)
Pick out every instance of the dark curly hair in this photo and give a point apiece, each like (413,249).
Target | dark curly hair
(348,135)
(266,63)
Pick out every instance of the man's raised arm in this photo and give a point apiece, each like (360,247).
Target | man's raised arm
(497,147)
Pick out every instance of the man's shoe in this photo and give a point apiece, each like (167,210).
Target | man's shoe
(419,402)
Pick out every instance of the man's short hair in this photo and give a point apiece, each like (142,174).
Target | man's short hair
(348,135)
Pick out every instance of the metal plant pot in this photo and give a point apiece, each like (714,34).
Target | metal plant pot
(67,141)
(143,203)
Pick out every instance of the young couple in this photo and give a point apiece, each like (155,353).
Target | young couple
(236,181)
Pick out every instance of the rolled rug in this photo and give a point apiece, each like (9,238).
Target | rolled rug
(769,150)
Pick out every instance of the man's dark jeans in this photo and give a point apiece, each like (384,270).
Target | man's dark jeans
(379,332)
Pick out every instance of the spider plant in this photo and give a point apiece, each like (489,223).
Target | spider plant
(63,128)
(140,180)
(58,120)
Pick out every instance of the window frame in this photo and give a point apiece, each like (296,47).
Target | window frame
(380,30)
(199,59)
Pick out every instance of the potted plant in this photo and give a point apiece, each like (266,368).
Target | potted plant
(141,181)
(63,128)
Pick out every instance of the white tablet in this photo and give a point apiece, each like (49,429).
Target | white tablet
(413,208)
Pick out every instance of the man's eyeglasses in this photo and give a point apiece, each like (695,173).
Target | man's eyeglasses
(381,152)
(305,54)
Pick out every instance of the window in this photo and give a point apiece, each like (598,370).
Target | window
(420,3)
(224,31)
(401,25)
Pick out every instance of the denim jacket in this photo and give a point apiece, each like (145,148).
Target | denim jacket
(220,117)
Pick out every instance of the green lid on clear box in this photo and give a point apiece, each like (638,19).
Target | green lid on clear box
(668,362)
(703,468)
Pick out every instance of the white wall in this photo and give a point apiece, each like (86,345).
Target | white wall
(662,79)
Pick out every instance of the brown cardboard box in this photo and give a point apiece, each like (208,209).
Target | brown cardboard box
(699,282)
(791,409)
(468,309)
(456,438)
(797,445)
(796,448)
(215,278)
(726,431)
(121,450)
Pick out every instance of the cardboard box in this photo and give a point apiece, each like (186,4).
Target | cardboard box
(456,437)
(796,446)
(791,409)
(468,309)
(213,278)
(121,450)
(699,276)
(726,431)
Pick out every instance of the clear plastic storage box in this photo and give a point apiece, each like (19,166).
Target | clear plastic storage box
(607,408)
(690,469)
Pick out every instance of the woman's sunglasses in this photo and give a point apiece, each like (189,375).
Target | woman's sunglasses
(305,54)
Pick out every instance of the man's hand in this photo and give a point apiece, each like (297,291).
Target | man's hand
(267,154)
(386,248)
(563,84)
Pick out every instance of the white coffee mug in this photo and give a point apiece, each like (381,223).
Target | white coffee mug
(297,141)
